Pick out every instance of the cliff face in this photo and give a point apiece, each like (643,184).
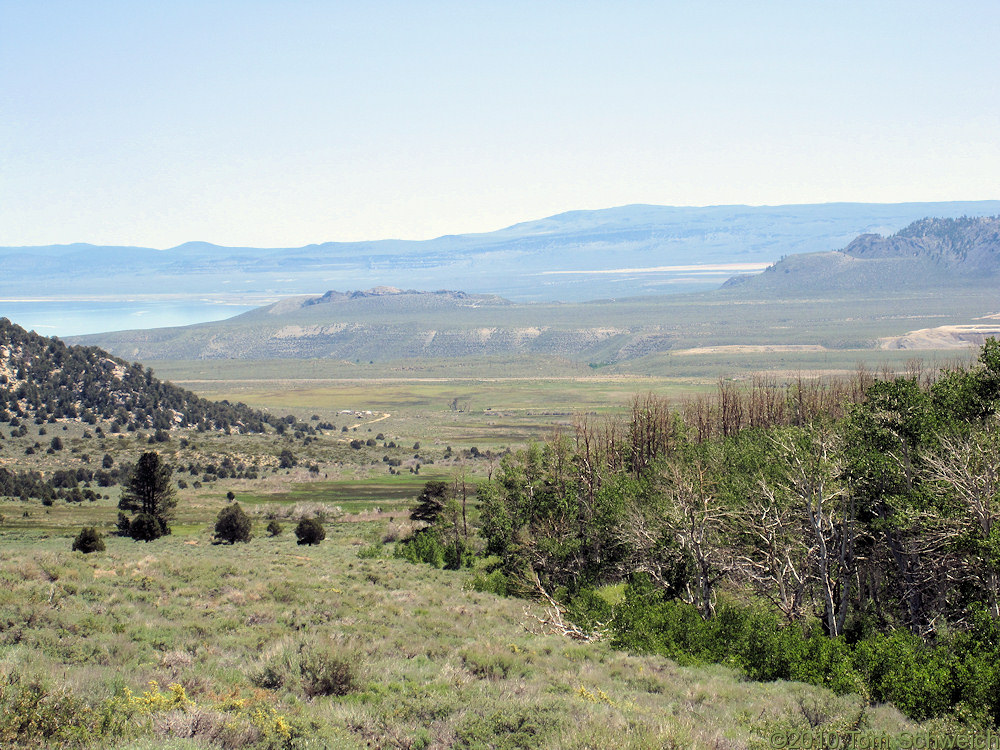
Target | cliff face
(964,246)
(926,254)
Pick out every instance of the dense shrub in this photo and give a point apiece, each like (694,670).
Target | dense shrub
(274,528)
(923,679)
(427,546)
(34,714)
(146,527)
(88,540)
(371,552)
(508,728)
(422,547)
(233,525)
(310,531)
(589,609)
(325,673)
(316,668)
(491,581)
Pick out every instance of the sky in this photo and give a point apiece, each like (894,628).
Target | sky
(284,123)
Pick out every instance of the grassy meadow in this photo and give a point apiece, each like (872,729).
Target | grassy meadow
(181,643)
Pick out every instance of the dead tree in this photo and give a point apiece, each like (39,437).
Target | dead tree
(812,480)
(966,469)
(684,530)
(775,550)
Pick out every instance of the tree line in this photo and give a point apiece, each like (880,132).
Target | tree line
(842,532)
(850,501)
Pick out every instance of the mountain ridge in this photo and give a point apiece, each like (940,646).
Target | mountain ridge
(596,252)
(925,254)
(391,323)
(44,380)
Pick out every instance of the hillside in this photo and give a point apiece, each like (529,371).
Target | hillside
(44,380)
(578,255)
(927,254)
(875,288)
(378,324)
(356,329)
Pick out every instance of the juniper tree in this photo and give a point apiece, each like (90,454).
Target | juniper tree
(233,525)
(88,540)
(310,531)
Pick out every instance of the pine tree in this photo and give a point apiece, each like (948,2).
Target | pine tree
(149,493)
(431,502)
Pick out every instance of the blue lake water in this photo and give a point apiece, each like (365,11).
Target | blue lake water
(76,317)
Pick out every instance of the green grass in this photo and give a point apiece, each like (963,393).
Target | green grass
(258,627)
(462,412)
(390,494)
(260,632)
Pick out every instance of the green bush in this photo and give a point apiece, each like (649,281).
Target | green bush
(492,582)
(146,527)
(901,669)
(269,677)
(492,665)
(427,546)
(507,729)
(35,714)
(589,610)
(88,540)
(423,547)
(310,531)
(325,673)
(233,525)
(646,621)
(957,674)
(274,528)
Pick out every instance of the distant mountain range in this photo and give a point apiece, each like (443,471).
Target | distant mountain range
(878,286)
(927,254)
(579,255)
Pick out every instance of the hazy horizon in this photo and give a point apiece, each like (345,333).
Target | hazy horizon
(259,125)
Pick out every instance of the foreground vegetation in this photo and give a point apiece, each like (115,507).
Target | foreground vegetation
(844,535)
(184,644)
(614,585)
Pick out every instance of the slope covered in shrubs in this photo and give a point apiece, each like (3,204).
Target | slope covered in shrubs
(44,379)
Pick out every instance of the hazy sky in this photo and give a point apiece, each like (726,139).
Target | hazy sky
(288,122)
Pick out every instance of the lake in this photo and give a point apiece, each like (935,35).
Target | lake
(73,317)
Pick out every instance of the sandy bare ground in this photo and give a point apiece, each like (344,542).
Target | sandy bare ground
(749,348)
(943,337)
